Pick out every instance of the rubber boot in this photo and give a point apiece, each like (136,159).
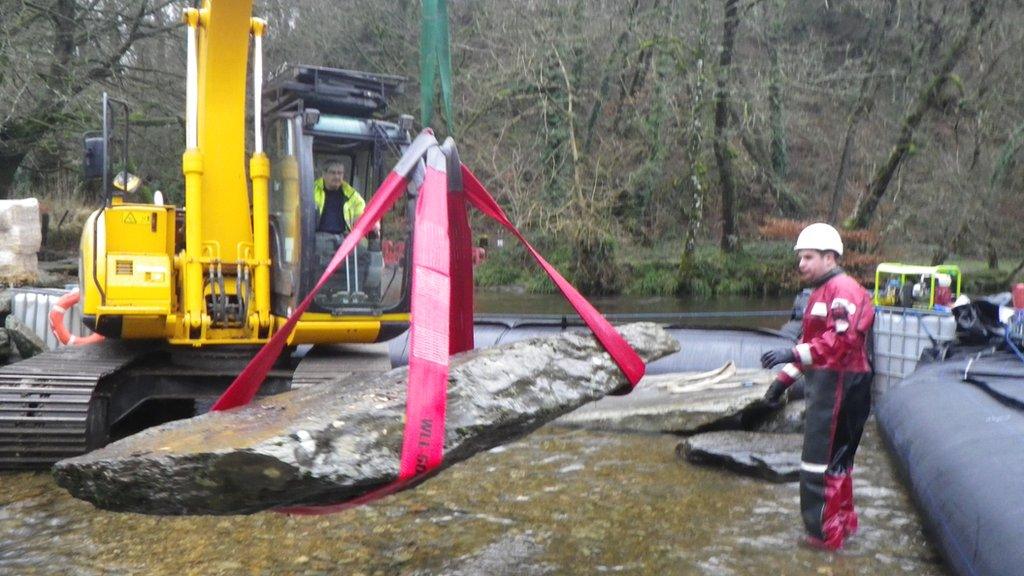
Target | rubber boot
(850,524)
(833,521)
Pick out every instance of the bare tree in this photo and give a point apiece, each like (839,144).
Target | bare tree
(90,44)
(861,109)
(729,240)
(696,177)
(927,99)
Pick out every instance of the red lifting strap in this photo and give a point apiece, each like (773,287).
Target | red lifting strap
(629,362)
(423,440)
(442,311)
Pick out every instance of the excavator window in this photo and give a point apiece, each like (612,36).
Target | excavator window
(309,218)
(372,277)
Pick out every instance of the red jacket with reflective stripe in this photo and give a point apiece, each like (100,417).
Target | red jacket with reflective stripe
(836,325)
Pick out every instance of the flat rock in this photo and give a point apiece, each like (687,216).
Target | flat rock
(683,403)
(5,347)
(772,457)
(24,338)
(330,443)
(788,420)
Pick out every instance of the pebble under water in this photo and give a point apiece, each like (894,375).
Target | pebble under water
(556,502)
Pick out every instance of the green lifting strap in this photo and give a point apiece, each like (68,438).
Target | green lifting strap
(435,55)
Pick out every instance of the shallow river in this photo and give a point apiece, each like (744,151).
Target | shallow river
(555,502)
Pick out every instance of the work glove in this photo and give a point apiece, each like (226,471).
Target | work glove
(777,356)
(773,396)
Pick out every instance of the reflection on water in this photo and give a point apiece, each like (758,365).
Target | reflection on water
(734,311)
(556,502)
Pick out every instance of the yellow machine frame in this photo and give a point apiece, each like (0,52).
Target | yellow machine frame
(132,280)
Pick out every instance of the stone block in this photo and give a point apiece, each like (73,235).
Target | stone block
(18,269)
(20,226)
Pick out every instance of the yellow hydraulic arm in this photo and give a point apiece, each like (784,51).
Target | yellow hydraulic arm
(218,228)
(137,280)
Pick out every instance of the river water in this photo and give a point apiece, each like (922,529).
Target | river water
(556,502)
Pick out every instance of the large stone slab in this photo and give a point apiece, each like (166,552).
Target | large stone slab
(685,403)
(331,443)
(773,457)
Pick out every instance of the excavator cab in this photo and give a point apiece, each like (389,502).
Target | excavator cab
(309,147)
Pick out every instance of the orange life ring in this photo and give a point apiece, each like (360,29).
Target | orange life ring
(57,322)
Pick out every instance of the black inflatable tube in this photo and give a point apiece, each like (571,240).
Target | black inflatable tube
(700,348)
(960,446)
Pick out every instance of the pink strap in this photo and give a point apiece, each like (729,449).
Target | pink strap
(462,273)
(245,386)
(423,437)
(627,359)
(427,388)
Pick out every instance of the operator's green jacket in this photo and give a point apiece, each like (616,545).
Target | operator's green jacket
(354,203)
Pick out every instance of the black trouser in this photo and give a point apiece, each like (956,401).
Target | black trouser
(352,272)
(838,404)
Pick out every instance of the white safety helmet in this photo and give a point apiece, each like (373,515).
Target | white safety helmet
(820,236)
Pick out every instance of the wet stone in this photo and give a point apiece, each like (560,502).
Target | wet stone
(683,403)
(772,457)
(5,346)
(789,419)
(23,338)
(330,443)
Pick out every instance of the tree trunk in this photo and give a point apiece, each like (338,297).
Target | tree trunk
(606,80)
(926,100)
(723,152)
(695,139)
(992,255)
(8,166)
(642,69)
(946,248)
(865,104)
(779,151)
(761,154)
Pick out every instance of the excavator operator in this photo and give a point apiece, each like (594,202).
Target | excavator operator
(338,205)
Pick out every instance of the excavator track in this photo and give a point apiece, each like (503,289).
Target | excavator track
(329,362)
(51,409)
(45,401)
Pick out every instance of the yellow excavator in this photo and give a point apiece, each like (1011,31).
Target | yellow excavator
(185,295)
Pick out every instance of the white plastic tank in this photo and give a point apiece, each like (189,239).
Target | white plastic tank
(901,334)
(32,306)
